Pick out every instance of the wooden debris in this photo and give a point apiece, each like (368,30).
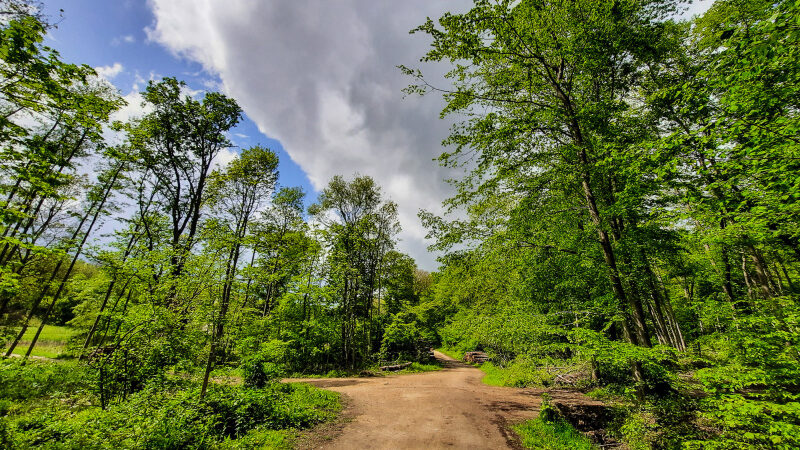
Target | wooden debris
(476,357)
(396,367)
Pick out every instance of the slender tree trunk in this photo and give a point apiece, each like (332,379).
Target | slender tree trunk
(78,251)
(762,276)
(786,274)
(124,310)
(727,286)
(640,328)
(230,275)
(45,289)
(747,278)
(669,314)
(109,290)
(5,254)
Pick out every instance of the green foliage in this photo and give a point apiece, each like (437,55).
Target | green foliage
(551,435)
(629,209)
(20,380)
(416,367)
(162,415)
(402,340)
(258,371)
(518,373)
(638,431)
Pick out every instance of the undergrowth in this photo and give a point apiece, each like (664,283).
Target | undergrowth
(549,431)
(54,405)
(559,435)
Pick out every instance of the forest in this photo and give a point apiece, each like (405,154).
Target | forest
(626,225)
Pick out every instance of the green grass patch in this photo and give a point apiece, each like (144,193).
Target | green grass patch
(50,333)
(419,367)
(52,343)
(333,373)
(455,354)
(495,376)
(556,435)
(518,373)
(261,438)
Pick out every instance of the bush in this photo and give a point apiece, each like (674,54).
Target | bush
(258,371)
(520,372)
(174,418)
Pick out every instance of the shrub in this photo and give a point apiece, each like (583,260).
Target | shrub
(550,431)
(258,371)
(173,418)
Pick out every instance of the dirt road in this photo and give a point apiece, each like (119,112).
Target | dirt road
(450,408)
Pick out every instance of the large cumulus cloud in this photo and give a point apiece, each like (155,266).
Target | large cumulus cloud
(321,77)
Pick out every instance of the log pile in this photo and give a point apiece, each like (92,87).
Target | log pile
(476,357)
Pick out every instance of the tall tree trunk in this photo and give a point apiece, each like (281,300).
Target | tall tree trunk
(638,333)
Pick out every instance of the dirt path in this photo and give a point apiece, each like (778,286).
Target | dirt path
(450,408)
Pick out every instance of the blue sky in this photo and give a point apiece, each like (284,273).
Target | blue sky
(104,33)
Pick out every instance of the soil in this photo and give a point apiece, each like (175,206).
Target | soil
(449,408)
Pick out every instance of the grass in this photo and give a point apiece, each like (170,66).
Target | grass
(495,376)
(515,374)
(51,344)
(419,367)
(455,354)
(556,435)
(371,371)
(262,438)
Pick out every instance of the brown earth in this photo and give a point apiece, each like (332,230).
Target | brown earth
(450,408)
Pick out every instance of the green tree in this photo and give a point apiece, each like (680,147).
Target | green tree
(176,144)
(358,229)
(238,193)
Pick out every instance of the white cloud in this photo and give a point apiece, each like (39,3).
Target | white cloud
(696,8)
(127,39)
(109,72)
(321,77)
(134,108)
(224,158)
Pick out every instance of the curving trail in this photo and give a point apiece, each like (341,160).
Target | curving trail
(450,408)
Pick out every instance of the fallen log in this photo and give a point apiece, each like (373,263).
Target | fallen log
(396,367)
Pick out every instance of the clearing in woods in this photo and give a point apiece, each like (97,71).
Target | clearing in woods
(450,408)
